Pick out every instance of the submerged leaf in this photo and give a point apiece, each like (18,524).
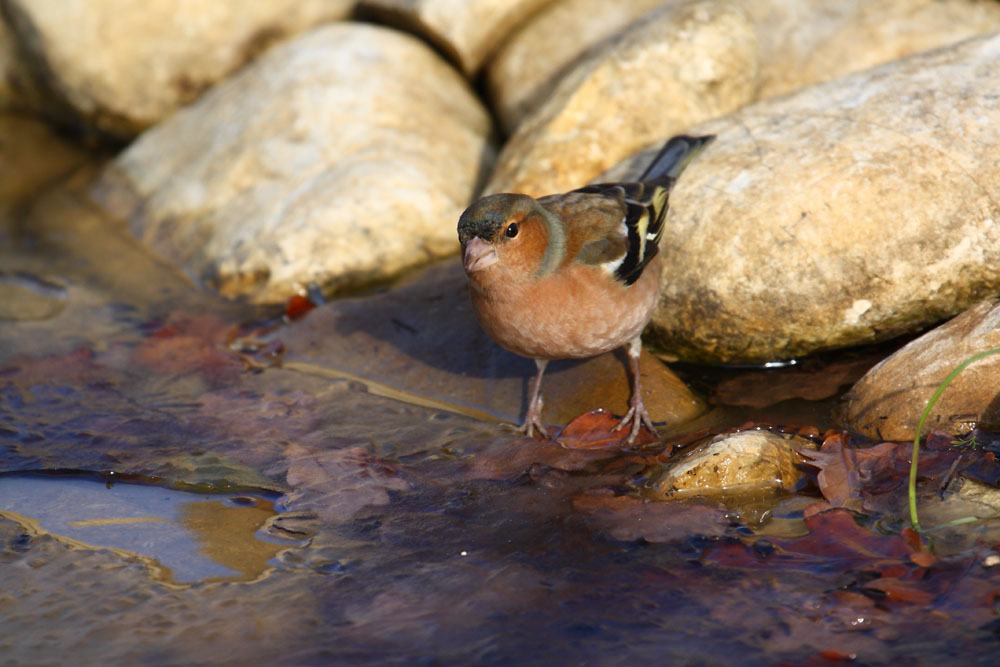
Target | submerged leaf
(336,483)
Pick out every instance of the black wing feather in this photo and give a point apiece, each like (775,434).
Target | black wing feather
(646,202)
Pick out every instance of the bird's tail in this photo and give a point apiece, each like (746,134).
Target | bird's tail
(675,156)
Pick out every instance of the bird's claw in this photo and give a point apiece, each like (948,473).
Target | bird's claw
(529,427)
(533,420)
(638,417)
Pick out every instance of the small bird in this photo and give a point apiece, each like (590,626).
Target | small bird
(573,275)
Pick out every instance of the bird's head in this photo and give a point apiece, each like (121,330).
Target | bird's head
(503,233)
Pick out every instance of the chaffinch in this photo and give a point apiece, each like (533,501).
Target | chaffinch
(573,275)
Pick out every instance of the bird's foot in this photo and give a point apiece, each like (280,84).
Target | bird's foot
(531,425)
(638,417)
(533,421)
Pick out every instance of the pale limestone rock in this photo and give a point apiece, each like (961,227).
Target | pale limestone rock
(801,42)
(466,30)
(810,41)
(743,462)
(887,402)
(121,65)
(343,157)
(848,213)
(531,60)
(682,63)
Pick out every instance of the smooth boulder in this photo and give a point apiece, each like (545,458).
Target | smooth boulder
(847,213)
(681,64)
(826,40)
(340,158)
(886,404)
(467,31)
(121,66)
(532,59)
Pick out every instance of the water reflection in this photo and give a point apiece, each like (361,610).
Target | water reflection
(182,537)
(25,297)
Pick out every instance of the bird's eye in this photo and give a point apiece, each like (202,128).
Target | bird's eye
(512,230)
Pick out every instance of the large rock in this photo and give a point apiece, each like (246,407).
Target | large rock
(121,66)
(683,63)
(851,212)
(342,157)
(466,30)
(826,39)
(531,60)
(886,404)
(821,40)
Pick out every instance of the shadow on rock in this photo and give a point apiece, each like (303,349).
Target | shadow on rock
(420,342)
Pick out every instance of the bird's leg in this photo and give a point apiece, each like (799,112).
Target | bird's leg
(533,418)
(636,414)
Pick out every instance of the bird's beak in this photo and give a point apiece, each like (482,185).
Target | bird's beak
(478,255)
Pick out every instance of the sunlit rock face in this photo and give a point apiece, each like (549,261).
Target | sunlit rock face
(810,41)
(887,403)
(121,66)
(845,213)
(678,65)
(799,42)
(342,157)
(529,63)
(467,31)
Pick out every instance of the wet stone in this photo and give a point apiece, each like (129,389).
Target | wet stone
(888,401)
(743,462)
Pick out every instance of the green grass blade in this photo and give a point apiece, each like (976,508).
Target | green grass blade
(914,519)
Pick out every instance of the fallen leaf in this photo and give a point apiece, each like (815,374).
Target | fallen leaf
(507,459)
(834,536)
(297,306)
(336,483)
(813,381)
(595,429)
(897,591)
(838,477)
(188,344)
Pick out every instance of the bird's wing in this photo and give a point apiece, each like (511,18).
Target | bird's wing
(623,222)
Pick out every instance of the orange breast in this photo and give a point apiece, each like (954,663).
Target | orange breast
(576,313)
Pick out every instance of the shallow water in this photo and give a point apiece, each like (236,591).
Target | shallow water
(256,513)
(184,538)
